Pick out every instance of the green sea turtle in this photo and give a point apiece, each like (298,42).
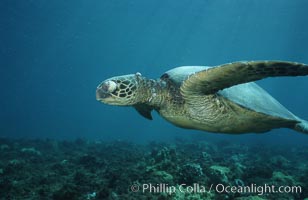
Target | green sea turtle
(221,99)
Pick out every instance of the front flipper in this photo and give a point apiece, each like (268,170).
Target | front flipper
(144,110)
(217,78)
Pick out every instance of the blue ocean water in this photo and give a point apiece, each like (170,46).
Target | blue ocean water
(53,54)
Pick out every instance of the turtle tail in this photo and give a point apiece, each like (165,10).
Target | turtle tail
(302,126)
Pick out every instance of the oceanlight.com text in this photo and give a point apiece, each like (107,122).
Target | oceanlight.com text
(219,188)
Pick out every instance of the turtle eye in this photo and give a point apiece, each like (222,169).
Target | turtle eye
(109,86)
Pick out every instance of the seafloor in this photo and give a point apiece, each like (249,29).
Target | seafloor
(73,170)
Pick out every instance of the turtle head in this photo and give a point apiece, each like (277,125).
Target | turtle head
(119,90)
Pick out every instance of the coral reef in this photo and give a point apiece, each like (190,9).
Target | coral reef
(94,170)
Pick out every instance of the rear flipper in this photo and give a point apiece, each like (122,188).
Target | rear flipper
(302,126)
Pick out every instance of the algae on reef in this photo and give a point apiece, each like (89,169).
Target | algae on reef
(84,170)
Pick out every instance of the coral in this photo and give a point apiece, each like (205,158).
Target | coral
(238,169)
(4,147)
(88,161)
(206,158)
(14,166)
(90,196)
(257,173)
(280,161)
(163,177)
(31,151)
(219,174)
(283,179)
(67,192)
(191,173)
(85,170)
(164,155)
